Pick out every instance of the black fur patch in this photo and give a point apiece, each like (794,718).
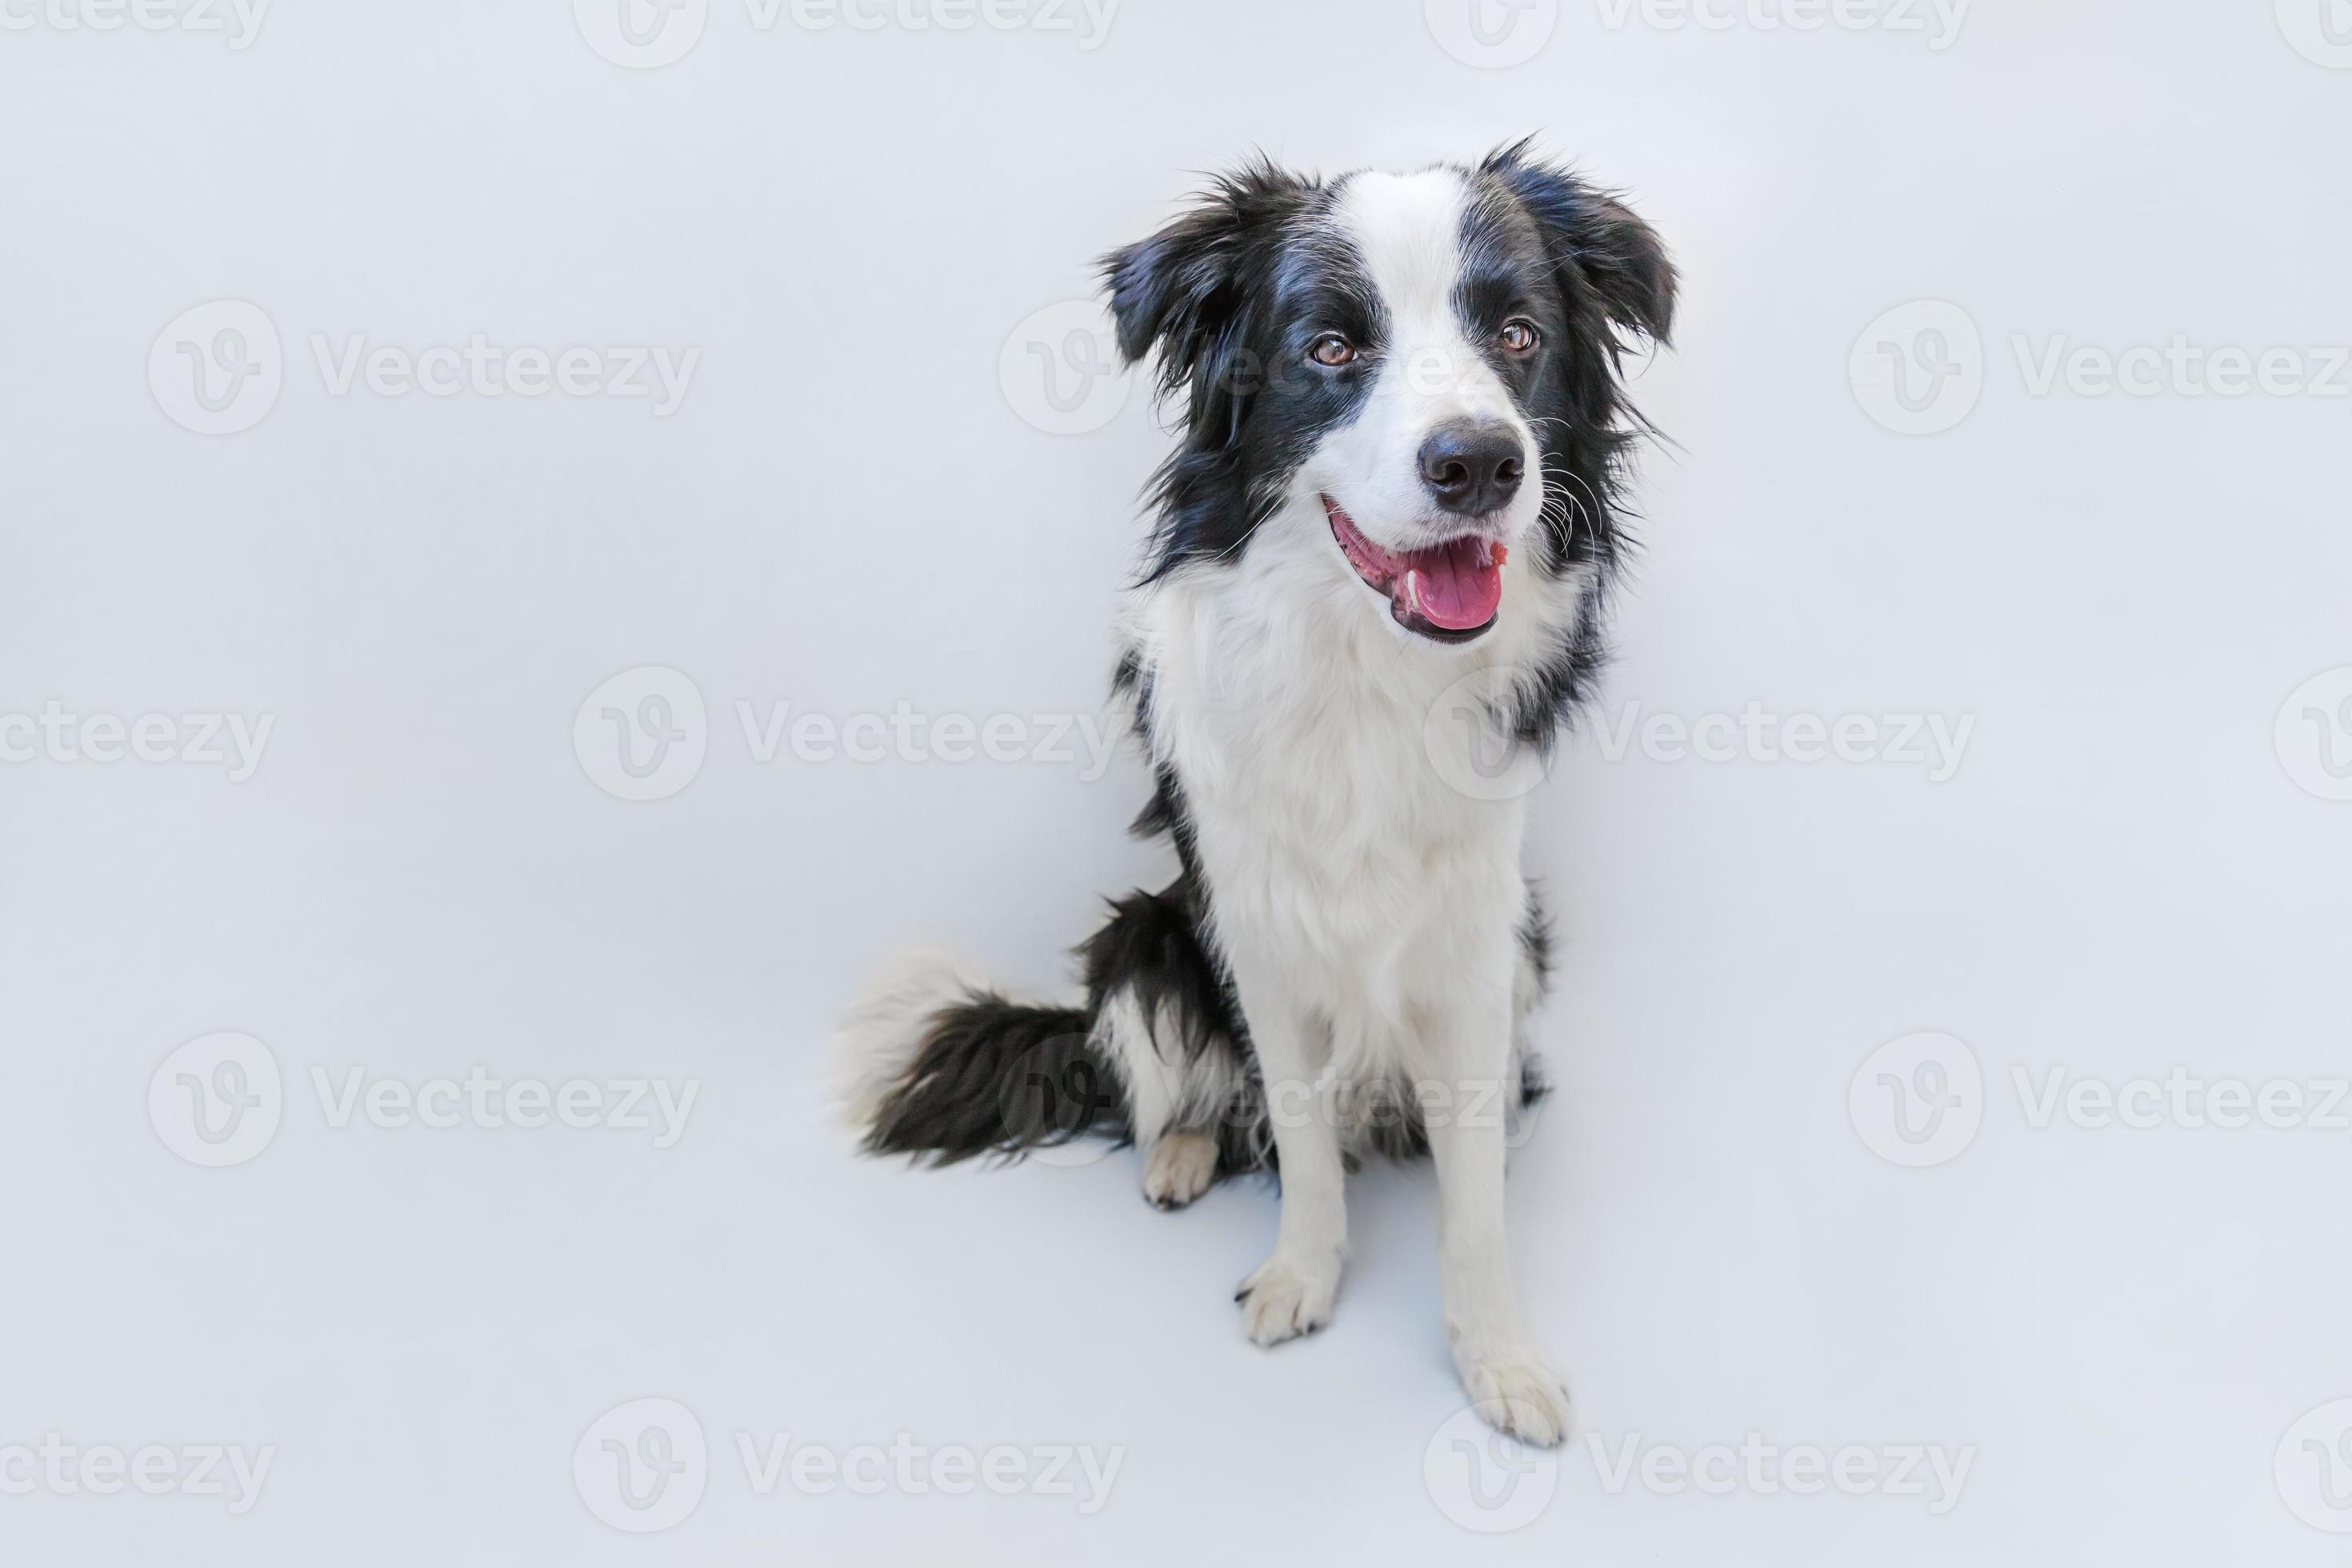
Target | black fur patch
(996,1078)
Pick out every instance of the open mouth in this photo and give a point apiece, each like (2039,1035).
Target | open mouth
(1448,592)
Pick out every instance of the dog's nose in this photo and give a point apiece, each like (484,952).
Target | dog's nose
(1473,467)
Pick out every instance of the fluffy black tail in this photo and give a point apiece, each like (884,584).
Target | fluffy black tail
(936,1063)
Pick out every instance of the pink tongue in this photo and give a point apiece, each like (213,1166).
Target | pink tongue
(1459,583)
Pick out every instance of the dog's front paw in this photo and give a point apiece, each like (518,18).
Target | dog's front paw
(1516,1393)
(1287,1297)
(1180,1168)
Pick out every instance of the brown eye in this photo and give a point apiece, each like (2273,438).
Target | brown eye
(1332,350)
(1520,337)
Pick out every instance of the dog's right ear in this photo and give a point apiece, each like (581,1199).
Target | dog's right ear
(1184,288)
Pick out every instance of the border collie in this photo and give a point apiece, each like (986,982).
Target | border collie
(1387,533)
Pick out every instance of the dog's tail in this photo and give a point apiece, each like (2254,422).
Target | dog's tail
(933,1062)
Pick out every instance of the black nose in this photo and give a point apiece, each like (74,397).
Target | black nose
(1473,467)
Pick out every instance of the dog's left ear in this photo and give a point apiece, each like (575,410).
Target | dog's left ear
(1185,287)
(1603,250)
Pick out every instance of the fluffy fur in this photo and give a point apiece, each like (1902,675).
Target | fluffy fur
(1346,959)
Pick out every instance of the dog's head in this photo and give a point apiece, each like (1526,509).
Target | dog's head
(1425,365)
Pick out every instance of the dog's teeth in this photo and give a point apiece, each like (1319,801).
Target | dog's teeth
(1412,591)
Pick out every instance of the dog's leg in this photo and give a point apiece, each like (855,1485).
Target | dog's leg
(1293,1292)
(1509,1382)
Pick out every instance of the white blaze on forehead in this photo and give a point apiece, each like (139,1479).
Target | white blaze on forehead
(1408,229)
(1407,233)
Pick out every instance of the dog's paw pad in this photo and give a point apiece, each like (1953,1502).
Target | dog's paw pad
(1283,1300)
(1516,1393)
(1180,1168)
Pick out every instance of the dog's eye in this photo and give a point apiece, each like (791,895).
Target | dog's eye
(1332,350)
(1520,336)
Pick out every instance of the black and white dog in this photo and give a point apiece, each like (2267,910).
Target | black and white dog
(1405,429)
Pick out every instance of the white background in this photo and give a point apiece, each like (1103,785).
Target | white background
(848,512)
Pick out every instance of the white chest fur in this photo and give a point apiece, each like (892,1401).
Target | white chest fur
(1335,835)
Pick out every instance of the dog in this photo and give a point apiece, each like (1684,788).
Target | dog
(1384,546)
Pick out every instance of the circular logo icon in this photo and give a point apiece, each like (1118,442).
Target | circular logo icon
(642,1466)
(1492,35)
(643,734)
(216,1100)
(1470,736)
(1918,1100)
(217,368)
(2314,735)
(2320,30)
(1918,369)
(1484,1481)
(1050,1100)
(2313,1468)
(642,35)
(1060,368)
